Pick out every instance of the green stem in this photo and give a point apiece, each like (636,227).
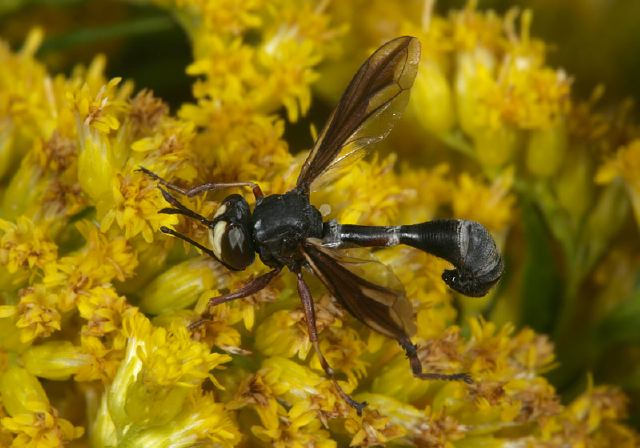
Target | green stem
(86,35)
(456,141)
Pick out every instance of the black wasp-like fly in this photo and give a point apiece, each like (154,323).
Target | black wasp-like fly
(286,230)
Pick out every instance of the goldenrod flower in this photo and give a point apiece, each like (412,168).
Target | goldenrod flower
(54,360)
(625,164)
(38,313)
(298,427)
(23,247)
(96,302)
(155,383)
(373,429)
(31,418)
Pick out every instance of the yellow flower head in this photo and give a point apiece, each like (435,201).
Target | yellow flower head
(103,309)
(626,165)
(373,429)
(31,418)
(169,357)
(134,208)
(23,247)
(496,198)
(42,428)
(298,427)
(83,264)
(38,313)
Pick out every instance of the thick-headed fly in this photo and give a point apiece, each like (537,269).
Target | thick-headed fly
(286,230)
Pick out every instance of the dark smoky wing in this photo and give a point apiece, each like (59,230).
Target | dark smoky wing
(368,109)
(385,309)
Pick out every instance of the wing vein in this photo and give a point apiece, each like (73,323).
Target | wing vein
(373,99)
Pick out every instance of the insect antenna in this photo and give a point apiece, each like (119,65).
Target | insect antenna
(181,209)
(210,186)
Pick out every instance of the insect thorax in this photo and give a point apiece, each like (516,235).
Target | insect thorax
(281,222)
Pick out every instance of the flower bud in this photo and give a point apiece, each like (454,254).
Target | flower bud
(95,167)
(19,389)
(9,337)
(288,378)
(606,218)
(475,70)
(148,404)
(281,335)
(574,186)
(396,380)
(432,98)
(495,147)
(205,423)
(56,360)
(178,287)
(8,151)
(24,192)
(546,149)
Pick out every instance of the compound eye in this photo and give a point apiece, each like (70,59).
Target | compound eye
(232,245)
(234,208)
(230,236)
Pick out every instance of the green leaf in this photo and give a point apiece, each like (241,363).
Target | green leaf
(541,283)
(621,325)
(83,36)
(8,6)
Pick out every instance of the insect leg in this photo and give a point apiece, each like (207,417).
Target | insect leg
(181,209)
(251,287)
(416,367)
(172,232)
(310,315)
(190,192)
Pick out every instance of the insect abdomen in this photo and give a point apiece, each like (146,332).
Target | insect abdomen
(468,245)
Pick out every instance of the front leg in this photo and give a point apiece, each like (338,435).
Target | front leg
(252,287)
(181,209)
(185,238)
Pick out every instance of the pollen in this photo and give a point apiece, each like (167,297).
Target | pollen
(38,313)
(132,208)
(169,356)
(24,246)
(96,302)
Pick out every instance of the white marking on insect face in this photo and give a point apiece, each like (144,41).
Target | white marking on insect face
(394,236)
(220,211)
(236,238)
(258,224)
(215,237)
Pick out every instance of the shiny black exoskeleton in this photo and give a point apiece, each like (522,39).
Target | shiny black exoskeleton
(287,231)
(281,222)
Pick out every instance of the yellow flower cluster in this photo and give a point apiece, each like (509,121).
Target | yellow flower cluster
(95,303)
(488,103)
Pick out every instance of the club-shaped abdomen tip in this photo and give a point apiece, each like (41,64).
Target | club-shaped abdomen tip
(480,265)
